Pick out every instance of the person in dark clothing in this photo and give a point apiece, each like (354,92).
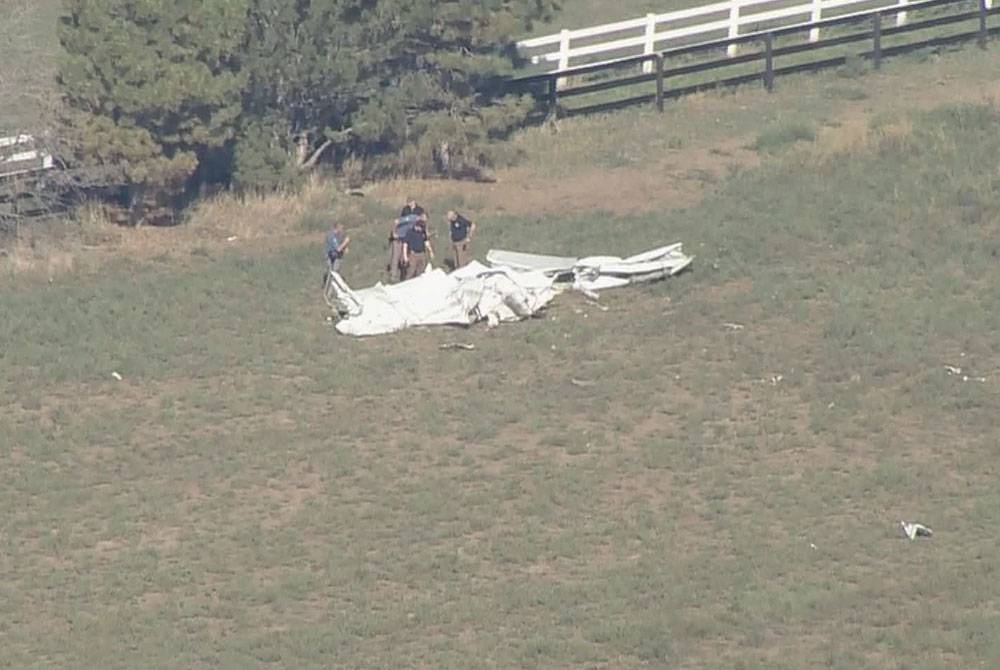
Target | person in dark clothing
(397,233)
(461,230)
(416,249)
(411,207)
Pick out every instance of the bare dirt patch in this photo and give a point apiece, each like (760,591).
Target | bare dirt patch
(677,181)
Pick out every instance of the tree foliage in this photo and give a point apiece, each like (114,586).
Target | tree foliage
(255,91)
(152,86)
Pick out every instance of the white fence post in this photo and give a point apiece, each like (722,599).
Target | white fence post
(563,56)
(817,14)
(734,25)
(649,47)
(901,16)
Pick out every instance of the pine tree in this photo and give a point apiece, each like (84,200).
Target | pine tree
(405,85)
(166,92)
(152,87)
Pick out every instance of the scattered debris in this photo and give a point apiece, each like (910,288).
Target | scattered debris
(956,371)
(232,238)
(776,379)
(583,383)
(813,546)
(915,530)
(457,345)
(116,376)
(733,326)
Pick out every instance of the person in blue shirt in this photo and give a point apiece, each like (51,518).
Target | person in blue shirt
(416,248)
(461,236)
(397,233)
(336,246)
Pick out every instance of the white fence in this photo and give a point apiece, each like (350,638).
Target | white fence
(19,154)
(657,32)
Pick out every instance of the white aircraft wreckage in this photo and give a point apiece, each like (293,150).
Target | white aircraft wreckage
(513,287)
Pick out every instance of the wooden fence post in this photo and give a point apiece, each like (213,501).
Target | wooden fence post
(554,95)
(648,46)
(659,82)
(877,40)
(982,24)
(734,25)
(769,62)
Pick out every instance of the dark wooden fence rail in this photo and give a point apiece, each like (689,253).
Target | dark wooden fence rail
(547,88)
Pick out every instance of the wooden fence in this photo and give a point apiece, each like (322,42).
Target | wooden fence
(759,56)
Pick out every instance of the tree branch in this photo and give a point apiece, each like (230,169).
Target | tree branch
(314,158)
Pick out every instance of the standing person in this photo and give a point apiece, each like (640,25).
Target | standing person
(461,236)
(416,248)
(411,207)
(336,246)
(397,233)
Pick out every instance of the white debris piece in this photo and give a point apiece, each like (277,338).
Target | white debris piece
(457,345)
(470,294)
(520,261)
(915,530)
(595,273)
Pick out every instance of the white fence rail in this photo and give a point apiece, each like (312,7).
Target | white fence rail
(19,154)
(658,32)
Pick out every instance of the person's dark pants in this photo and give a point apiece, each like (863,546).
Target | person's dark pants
(395,260)
(331,264)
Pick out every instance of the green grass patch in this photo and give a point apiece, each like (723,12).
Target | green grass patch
(783,135)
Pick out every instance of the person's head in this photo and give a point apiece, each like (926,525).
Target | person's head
(451,215)
(337,227)
(412,203)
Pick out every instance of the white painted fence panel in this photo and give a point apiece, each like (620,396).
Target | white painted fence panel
(19,155)
(657,32)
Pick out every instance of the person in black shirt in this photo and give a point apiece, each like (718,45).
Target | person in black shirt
(411,207)
(416,248)
(461,237)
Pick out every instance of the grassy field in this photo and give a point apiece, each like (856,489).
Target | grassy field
(258,492)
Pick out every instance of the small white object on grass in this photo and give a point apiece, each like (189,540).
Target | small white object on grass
(457,345)
(116,376)
(915,530)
